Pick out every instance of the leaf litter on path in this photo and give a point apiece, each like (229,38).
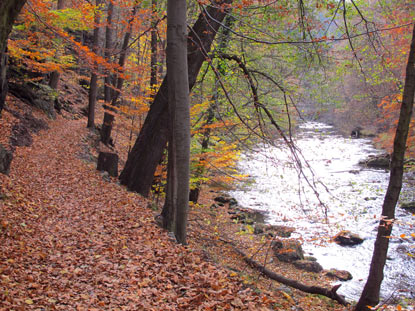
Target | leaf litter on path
(72,241)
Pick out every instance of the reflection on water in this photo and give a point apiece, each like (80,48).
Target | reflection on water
(353,196)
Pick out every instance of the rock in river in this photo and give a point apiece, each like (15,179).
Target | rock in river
(409,206)
(377,161)
(308,265)
(273,230)
(341,275)
(287,250)
(346,238)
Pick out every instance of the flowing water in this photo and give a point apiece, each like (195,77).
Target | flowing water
(349,197)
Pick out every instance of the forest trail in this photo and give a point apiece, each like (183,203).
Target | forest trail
(74,241)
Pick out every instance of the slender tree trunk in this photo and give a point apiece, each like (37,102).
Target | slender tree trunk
(109,116)
(223,42)
(148,149)
(200,170)
(153,46)
(177,199)
(54,76)
(9,9)
(370,294)
(93,87)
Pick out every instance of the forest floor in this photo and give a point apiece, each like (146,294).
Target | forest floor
(72,238)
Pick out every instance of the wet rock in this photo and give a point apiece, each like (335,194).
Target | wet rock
(233,202)
(402,249)
(346,238)
(224,199)
(409,206)
(377,161)
(308,265)
(259,228)
(5,160)
(242,218)
(273,230)
(356,132)
(246,216)
(341,275)
(287,250)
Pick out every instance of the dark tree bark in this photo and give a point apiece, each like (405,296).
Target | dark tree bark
(108,162)
(153,46)
(370,294)
(93,87)
(54,76)
(118,83)
(210,114)
(148,149)
(108,116)
(177,198)
(9,9)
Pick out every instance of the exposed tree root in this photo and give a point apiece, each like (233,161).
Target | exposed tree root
(330,293)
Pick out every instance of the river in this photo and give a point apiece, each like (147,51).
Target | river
(349,197)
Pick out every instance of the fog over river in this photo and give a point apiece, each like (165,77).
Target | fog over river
(352,194)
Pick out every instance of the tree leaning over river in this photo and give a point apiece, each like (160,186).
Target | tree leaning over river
(370,294)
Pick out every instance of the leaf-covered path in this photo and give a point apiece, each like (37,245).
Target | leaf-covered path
(70,240)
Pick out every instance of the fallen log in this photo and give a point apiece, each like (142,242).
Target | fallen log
(330,293)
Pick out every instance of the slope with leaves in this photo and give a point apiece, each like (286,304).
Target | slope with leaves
(72,241)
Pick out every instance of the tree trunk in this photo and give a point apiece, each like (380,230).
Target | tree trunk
(223,42)
(177,198)
(148,149)
(118,83)
(9,9)
(195,191)
(108,116)
(153,45)
(93,88)
(55,75)
(370,294)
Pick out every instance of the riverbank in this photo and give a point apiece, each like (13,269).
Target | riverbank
(73,239)
(215,230)
(344,196)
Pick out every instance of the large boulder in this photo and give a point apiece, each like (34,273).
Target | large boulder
(287,250)
(308,265)
(346,238)
(5,160)
(37,95)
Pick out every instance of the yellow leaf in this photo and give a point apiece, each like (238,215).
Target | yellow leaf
(29,301)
